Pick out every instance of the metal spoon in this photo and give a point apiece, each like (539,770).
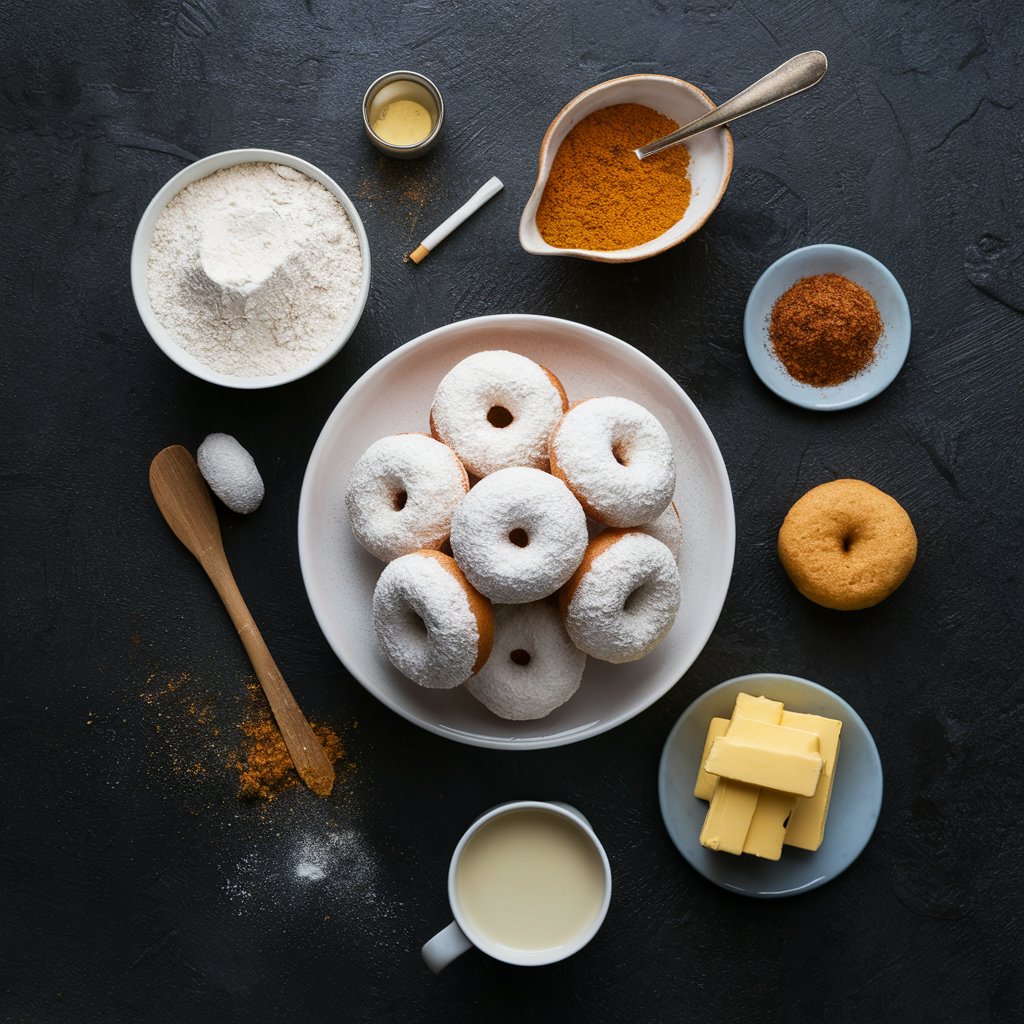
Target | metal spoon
(183,498)
(798,73)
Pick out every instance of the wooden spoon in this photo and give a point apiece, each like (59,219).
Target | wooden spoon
(182,496)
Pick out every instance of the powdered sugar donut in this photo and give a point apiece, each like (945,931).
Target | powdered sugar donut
(430,623)
(497,409)
(617,459)
(533,668)
(667,528)
(519,535)
(622,601)
(401,495)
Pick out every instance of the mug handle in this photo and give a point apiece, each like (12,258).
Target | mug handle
(444,947)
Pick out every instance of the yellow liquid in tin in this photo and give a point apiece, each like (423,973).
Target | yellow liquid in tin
(530,880)
(403,123)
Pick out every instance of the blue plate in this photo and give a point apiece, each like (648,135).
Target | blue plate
(853,812)
(864,270)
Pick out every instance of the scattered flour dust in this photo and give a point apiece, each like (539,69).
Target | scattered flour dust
(320,857)
(254,269)
(294,858)
(329,862)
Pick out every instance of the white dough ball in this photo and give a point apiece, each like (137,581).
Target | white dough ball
(231,473)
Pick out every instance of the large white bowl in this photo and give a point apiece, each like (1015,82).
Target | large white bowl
(395,396)
(140,257)
(710,160)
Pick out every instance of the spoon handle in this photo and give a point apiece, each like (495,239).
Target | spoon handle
(184,501)
(306,750)
(798,73)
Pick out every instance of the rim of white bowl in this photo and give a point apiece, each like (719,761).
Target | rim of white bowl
(307,555)
(202,168)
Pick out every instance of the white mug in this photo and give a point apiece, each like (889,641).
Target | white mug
(460,935)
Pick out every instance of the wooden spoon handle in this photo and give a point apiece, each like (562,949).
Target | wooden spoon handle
(184,501)
(306,750)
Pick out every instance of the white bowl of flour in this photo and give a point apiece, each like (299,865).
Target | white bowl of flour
(250,268)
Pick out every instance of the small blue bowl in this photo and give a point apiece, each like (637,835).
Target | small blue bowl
(853,811)
(860,268)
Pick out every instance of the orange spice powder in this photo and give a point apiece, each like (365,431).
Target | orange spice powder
(264,766)
(600,196)
(825,330)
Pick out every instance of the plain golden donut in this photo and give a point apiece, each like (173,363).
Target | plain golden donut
(847,545)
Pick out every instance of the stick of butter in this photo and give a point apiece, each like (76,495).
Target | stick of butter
(807,825)
(759,709)
(789,771)
(728,821)
(704,789)
(767,830)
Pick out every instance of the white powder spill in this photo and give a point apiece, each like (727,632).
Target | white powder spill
(303,857)
(335,865)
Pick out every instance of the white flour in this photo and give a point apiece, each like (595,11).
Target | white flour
(254,269)
(335,866)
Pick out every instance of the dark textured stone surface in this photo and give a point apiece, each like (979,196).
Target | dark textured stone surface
(135,890)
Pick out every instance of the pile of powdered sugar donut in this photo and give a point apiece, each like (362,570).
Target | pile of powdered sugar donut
(521,535)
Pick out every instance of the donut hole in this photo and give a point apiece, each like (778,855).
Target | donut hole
(621,453)
(519,537)
(415,628)
(398,500)
(520,657)
(499,416)
(846,541)
(635,599)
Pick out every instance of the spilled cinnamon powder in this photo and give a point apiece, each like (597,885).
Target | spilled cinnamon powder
(402,191)
(193,739)
(264,766)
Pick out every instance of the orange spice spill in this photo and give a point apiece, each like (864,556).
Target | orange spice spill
(264,766)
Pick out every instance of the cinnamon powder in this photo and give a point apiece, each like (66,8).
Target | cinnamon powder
(264,766)
(599,196)
(825,330)
(194,740)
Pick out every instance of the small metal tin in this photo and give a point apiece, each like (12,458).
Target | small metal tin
(403,85)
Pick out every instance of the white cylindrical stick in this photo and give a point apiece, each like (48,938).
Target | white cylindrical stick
(464,212)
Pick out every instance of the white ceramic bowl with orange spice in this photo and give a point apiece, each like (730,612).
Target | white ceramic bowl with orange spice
(710,160)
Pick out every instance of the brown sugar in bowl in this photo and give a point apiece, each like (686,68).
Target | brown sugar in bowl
(711,156)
